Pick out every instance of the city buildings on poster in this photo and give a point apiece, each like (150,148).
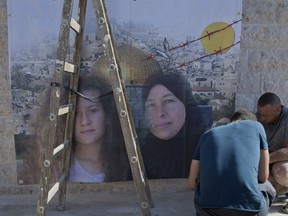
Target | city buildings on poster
(212,77)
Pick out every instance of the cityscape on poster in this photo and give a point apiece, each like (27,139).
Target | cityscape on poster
(200,42)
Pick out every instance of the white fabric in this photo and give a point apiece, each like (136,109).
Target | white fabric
(79,174)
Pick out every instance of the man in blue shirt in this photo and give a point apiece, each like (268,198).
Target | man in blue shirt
(229,163)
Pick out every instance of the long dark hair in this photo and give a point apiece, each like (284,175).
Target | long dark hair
(182,146)
(116,164)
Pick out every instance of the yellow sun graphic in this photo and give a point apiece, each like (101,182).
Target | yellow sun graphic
(217,36)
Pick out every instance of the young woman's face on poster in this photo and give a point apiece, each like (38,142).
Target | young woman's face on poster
(89,120)
(164,112)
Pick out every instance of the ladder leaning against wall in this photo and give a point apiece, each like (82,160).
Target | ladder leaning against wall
(56,109)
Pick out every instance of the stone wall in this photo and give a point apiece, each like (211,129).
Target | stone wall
(7,147)
(264,52)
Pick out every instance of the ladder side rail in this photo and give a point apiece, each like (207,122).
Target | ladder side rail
(143,185)
(78,44)
(54,104)
(141,164)
(130,137)
(140,158)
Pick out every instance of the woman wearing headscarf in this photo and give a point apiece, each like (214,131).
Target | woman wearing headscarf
(174,124)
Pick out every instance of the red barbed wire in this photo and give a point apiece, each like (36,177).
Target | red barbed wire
(207,35)
(197,39)
(220,51)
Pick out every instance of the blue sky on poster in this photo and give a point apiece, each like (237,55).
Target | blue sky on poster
(177,18)
(29,20)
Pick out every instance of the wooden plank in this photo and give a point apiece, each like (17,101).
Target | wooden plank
(75,25)
(64,109)
(69,67)
(55,189)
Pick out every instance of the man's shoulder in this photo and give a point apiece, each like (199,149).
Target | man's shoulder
(232,125)
(285,113)
(252,123)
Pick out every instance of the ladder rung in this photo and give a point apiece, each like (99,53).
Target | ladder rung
(69,67)
(64,109)
(55,188)
(60,148)
(75,25)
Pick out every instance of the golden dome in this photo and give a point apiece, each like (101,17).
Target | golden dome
(134,65)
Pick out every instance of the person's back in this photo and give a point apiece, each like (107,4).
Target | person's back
(230,168)
(229,158)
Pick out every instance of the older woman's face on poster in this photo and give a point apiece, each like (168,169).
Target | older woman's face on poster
(165,112)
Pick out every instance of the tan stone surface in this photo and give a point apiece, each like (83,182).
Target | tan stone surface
(170,197)
(6,129)
(5,87)
(5,105)
(7,173)
(3,35)
(264,49)
(7,147)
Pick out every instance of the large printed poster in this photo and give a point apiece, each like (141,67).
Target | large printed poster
(178,61)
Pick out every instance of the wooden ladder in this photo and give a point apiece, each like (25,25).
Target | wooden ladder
(56,109)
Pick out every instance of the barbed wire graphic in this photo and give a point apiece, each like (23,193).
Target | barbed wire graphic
(182,45)
(220,51)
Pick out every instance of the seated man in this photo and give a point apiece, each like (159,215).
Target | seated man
(229,163)
(274,118)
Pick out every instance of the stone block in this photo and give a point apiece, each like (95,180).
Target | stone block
(281,12)
(248,82)
(248,102)
(7,150)
(4,61)
(8,173)
(5,87)
(3,12)
(6,128)
(264,36)
(266,60)
(277,82)
(5,106)
(3,37)
(255,11)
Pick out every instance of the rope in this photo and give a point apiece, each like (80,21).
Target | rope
(92,99)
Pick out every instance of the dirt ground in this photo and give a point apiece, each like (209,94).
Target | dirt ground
(170,197)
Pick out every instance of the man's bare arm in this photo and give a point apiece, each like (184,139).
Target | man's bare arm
(193,175)
(263,171)
(279,155)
